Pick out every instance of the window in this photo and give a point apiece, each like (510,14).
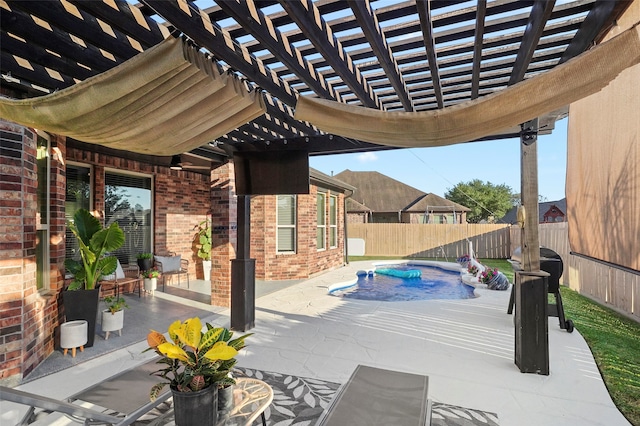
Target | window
(286,224)
(322,223)
(78,196)
(128,202)
(42,215)
(333,221)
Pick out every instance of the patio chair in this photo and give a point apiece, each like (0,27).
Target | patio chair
(129,275)
(170,266)
(119,400)
(374,396)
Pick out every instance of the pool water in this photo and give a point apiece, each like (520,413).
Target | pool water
(434,283)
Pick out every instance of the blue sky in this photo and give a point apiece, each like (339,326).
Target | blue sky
(439,169)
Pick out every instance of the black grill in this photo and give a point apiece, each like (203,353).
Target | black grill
(550,262)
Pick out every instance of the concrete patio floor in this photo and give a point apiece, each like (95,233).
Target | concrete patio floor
(466,347)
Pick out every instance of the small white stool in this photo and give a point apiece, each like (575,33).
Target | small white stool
(73,334)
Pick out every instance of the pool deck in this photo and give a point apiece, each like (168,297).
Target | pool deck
(466,347)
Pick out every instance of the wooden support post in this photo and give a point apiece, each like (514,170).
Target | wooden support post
(243,277)
(531,323)
(529,195)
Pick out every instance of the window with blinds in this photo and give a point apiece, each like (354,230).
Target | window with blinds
(128,202)
(322,221)
(333,221)
(286,224)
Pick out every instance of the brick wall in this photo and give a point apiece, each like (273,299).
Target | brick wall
(28,316)
(307,260)
(29,319)
(224,230)
(180,202)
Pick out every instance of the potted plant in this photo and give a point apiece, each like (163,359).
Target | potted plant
(150,277)
(204,247)
(145,261)
(463,260)
(113,316)
(196,364)
(81,296)
(494,279)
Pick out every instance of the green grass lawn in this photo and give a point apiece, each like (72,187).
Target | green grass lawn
(615,343)
(614,340)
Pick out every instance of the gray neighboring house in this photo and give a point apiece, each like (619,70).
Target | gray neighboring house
(381,199)
(548,212)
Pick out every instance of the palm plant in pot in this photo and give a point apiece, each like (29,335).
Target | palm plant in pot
(113,316)
(195,363)
(81,296)
(204,247)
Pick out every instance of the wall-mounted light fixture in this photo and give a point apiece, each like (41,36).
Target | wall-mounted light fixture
(176,163)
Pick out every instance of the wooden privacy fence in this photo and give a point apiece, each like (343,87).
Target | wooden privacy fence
(432,240)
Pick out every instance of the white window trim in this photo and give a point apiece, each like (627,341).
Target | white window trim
(333,227)
(46,276)
(322,226)
(294,227)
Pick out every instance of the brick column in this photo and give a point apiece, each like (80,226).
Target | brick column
(18,183)
(224,230)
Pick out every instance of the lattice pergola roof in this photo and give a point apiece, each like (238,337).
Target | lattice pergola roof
(415,55)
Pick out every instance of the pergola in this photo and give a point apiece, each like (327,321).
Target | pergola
(387,55)
(391,56)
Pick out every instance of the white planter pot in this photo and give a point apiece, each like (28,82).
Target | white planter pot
(112,322)
(150,284)
(73,334)
(206,267)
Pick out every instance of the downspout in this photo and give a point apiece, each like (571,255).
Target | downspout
(344,213)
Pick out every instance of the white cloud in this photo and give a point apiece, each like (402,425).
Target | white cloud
(367,157)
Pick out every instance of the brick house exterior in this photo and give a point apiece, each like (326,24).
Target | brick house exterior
(30,317)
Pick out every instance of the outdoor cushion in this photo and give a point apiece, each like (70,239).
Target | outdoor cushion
(169,263)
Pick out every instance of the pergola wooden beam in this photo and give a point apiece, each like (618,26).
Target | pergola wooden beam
(127,18)
(426,25)
(202,31)
(374,35)
(21,23)
(308,18)
(540,14)
(599,17)
(251,18)
(477,48)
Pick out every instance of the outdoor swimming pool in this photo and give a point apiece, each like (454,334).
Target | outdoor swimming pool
(434,283)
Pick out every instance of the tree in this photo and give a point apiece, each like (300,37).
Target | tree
(486,200)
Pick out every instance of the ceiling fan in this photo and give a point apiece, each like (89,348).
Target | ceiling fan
(177,163)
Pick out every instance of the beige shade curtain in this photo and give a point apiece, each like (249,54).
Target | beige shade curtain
(575,79)
(167,100)
(603,177)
